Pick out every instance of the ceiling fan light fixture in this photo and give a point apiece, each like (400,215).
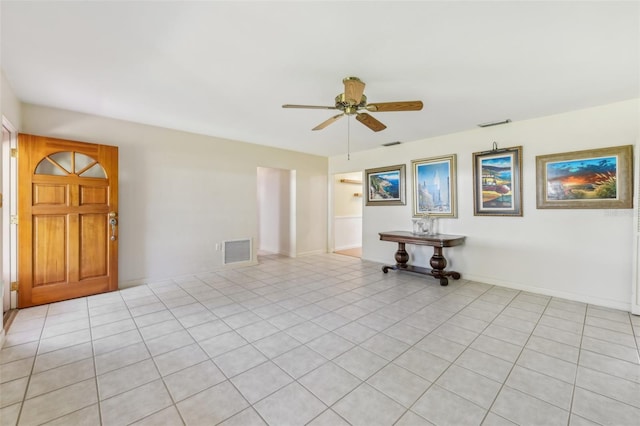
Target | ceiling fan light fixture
(495,123)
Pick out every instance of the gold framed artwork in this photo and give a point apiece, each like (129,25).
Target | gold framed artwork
(592,179)
(497,182)
(434,186)
(386,186)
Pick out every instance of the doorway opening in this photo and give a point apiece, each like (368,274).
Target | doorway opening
(347,214)
(276,212)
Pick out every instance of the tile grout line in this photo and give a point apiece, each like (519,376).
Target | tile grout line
(575,376)
(408,409)
(515,362)
(35,357)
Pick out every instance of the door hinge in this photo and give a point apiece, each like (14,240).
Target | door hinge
(14,285)
(13,220)
(14,152)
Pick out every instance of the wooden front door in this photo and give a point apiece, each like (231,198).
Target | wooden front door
(67,219)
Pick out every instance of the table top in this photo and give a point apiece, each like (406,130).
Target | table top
(440,240)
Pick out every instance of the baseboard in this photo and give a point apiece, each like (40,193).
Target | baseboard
(7,320)
(142,281)
(312,253)
(347,247)
(607,303)
(597,301)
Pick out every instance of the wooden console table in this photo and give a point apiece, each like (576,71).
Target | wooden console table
(437,262)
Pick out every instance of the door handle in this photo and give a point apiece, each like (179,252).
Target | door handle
(113,222)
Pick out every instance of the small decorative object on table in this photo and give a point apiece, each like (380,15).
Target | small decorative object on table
(425,224)
(419,226)
(431,224)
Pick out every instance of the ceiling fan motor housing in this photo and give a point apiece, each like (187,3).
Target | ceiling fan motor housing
(349,108)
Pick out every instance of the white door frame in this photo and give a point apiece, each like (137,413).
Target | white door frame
(9,210)
(635,285)
(8,298)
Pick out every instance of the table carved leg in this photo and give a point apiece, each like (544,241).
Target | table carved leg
(438,264)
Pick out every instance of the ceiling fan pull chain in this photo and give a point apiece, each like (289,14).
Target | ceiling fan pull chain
(348,138)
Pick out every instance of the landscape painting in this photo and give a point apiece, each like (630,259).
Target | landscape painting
(385,185)
(497,182)
(434,186)
(586,179)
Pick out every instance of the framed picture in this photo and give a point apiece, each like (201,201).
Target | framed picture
(497,182)
(385,186)
(434,186)
(593,179)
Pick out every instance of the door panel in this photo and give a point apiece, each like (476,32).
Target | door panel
(67,190)
(49,194)
(93,246)
(49,249)
(93,195)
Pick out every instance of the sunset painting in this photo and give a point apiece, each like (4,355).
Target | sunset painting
(584,179)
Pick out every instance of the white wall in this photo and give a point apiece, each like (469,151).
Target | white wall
(274,211)
(583,255)
(9,104)
(182,193)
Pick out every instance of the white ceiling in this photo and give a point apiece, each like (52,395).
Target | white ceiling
(224,68)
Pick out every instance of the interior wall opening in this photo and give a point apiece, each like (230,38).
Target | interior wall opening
(347,213)
(276,211)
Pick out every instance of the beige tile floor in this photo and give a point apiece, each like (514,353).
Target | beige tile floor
(320,340)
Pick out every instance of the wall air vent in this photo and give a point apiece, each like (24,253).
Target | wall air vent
(236,251)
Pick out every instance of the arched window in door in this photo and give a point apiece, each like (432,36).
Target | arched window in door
(70,163)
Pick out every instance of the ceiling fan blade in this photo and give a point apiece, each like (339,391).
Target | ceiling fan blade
(370,122)
(353,89)
(395,106)
(308,106)
(327,122)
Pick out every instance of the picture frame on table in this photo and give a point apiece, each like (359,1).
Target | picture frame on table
(434,186)
(497,182)
(386,186)
(599,178)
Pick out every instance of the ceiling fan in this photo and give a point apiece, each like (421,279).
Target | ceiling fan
(353,100)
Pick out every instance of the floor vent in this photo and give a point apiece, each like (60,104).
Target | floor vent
(237,251)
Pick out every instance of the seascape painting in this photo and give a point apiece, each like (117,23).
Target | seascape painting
(384,186)
(584,179)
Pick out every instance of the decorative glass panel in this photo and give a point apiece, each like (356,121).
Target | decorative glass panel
(46,167)
(64,159)
(82,162)
(61,164)
(95,171)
